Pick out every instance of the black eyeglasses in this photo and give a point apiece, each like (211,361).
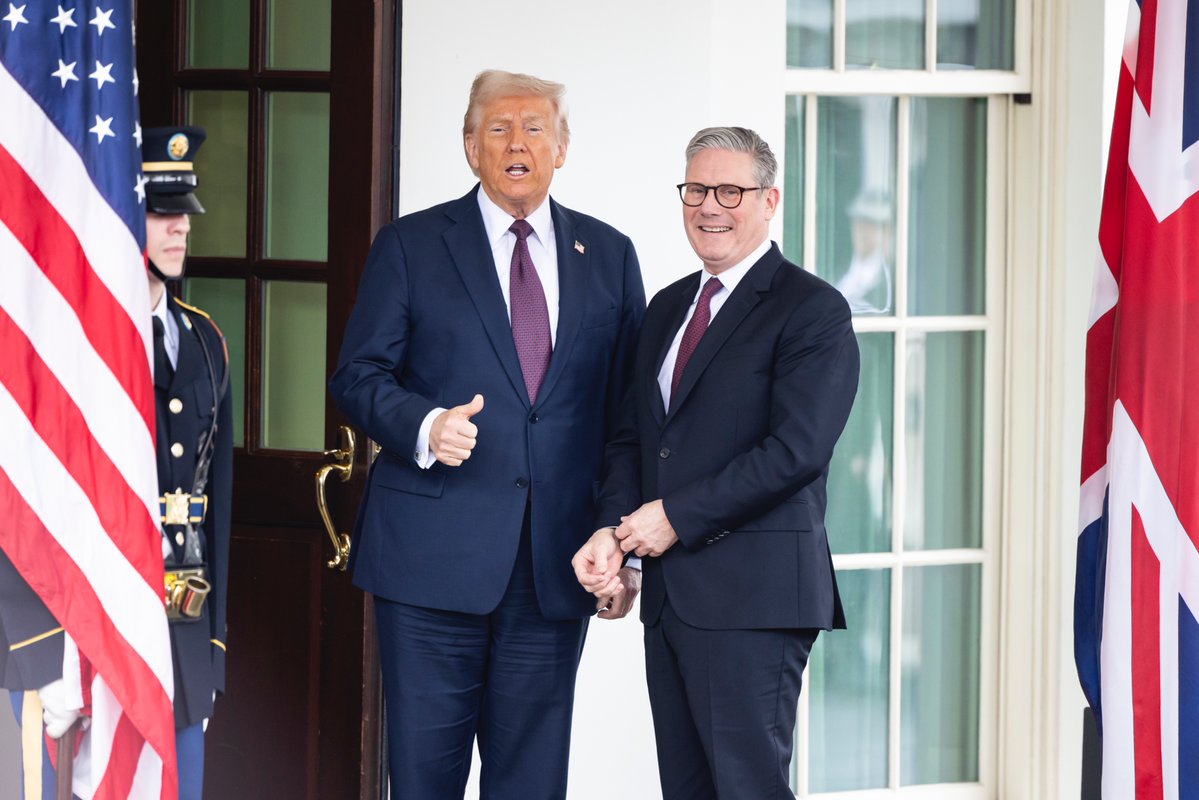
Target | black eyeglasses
(727,195)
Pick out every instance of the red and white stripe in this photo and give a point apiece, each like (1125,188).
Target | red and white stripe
(78,483)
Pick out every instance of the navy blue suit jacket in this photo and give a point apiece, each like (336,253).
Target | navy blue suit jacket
(741,456)
(429,329)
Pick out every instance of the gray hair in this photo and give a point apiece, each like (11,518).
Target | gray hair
(737,140)
(492,84)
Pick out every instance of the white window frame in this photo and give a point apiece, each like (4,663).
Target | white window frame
(992,323)
(928,81)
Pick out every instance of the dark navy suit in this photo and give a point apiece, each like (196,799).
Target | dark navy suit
(740,460)
(471,551)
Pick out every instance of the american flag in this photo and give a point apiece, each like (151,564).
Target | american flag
(1137,590)
(78,482)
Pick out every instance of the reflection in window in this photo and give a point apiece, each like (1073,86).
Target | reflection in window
(849,689)
(944,440)
(940,675)
(859,482)
(855,191)
(810,34)
(948,215)
(884,34)
(976,34)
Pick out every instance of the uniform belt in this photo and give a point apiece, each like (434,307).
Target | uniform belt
(180,508)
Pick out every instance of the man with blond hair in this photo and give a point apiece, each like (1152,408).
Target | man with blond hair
(487,354)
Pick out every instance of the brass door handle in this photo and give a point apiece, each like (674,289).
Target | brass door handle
(343,465)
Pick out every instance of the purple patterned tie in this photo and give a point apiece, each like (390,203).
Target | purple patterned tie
(695,331)
(530,315)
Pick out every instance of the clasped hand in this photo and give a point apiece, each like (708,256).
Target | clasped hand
(598,569)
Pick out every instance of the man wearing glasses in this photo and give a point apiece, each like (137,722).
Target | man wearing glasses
(745,375)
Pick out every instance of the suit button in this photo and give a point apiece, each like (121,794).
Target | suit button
(664,452)
(522,483)
(176,405)
(177,450)
(534,418)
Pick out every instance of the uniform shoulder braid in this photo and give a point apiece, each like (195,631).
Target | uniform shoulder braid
(190,309)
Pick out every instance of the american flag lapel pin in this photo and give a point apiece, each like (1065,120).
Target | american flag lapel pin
(579,246)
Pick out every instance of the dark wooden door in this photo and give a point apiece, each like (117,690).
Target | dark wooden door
(297,99)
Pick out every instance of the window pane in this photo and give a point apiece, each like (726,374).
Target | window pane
(849,688)
(293,366)
(793,179)
(225,301)
(299,34)
(297,176)
(859,482)
(221,170)
(939,689)
(944,440)
(218,34)
(810,34)
(884,34)
(855,214)
(947,223)
(976,34)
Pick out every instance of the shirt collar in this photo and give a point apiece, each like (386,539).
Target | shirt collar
(733,275)
(496,221)
(160,310)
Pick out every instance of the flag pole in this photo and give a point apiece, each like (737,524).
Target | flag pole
(65,762)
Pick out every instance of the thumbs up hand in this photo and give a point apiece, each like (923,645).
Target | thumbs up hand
(452,436)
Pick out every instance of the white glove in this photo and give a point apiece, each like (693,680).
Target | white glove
(55,714)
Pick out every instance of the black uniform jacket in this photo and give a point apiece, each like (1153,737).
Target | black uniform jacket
(185,412)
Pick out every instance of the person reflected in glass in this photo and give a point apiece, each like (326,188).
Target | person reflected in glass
(866,281)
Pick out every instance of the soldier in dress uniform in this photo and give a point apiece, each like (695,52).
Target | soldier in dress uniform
(195,449)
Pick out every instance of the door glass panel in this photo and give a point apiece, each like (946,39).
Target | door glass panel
(810,34)
(297,176)
(850,689)
(884,34)
(855,184)
(224,300)
(947,223)
(298,34)
(939,689)
(859,482)
(221,170)
(976,34)
(793,180)
(218,34)
(293,365)
(944,440)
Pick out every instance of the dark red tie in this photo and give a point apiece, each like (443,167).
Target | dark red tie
(695,331)
(530,315)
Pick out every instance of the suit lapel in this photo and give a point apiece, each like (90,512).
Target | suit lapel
(467,242)
(674,320)
(747,295)
(574,268)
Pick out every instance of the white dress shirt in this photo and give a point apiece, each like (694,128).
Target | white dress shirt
(729,280)
(543,251)
(170,327)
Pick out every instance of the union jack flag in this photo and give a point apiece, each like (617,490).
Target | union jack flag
(1137,591)
(78,482)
